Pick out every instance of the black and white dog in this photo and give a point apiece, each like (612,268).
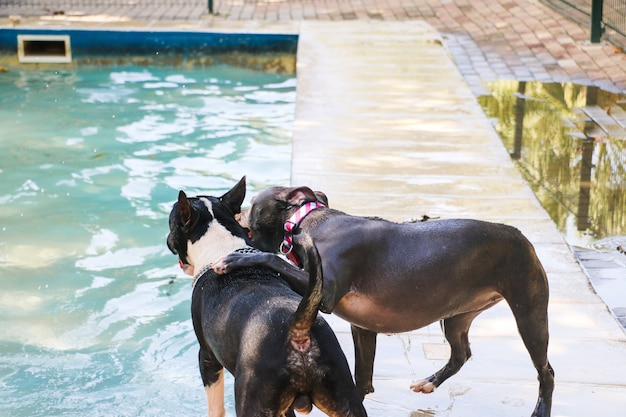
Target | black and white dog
(282,356)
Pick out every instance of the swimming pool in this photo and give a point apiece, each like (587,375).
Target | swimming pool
(94,312)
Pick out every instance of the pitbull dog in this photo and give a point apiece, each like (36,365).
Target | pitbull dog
(282,356)
(385,277)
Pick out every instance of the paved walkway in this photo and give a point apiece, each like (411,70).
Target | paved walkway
(489,39)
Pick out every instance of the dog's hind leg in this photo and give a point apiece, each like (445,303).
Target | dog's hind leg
(364,352)
(456,329)
(530,308)
(212,374)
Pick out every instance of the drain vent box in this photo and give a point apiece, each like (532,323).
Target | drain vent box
(36,49)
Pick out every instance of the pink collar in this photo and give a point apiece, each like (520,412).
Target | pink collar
(286,247)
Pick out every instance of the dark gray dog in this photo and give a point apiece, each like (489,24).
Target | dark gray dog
(250,322)
(385,277)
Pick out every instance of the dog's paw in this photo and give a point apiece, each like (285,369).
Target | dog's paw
(423,386)
(220,267)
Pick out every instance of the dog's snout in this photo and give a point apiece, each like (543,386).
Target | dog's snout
(170,245)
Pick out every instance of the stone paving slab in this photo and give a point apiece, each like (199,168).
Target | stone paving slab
(351,154)
(606,273)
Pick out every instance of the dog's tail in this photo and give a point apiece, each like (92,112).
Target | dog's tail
(304,317)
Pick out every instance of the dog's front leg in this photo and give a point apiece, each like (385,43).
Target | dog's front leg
(297,279)
(364,352)
(213,379)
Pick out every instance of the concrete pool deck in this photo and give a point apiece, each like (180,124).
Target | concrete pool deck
(387,125)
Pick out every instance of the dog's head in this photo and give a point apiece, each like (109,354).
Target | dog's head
(203,228)
(270,209)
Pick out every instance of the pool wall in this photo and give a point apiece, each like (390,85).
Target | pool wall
(136,42)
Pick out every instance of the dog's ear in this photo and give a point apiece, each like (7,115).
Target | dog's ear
(233,199)
(299,196)
(321,197)
(187,213)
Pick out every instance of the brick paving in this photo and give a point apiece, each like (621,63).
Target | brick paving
(488,39)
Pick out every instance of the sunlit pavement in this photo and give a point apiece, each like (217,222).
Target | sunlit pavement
(387,124)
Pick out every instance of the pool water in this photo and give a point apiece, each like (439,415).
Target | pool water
(94,311)
(577,171)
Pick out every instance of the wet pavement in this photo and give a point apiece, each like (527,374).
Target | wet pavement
(606,270)
(387,124)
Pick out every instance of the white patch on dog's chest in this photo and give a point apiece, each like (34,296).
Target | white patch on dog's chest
(216,242)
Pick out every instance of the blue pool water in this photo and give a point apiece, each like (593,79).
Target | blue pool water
(94,312)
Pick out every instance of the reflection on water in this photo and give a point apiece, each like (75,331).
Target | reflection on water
(94,312)
(577,169)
